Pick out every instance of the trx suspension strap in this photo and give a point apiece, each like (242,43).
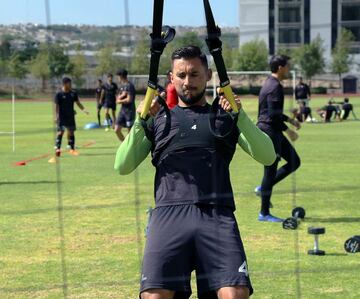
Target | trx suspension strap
(214,44)
(159,38)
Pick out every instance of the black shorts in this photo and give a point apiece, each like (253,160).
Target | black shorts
(204,238)
(125,120)
(109,105)
(62,127)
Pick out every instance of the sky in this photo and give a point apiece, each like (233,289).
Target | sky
(111,12)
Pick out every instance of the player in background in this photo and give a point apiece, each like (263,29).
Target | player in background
(271,120)
(346,108)
(326,112)
(125,97)
(108,101)
(171,94)
(302,92)
(98,91)
(65,115)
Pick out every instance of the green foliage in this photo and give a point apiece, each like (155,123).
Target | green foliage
(252,56)
(190,38)
(309,58)
(39,66)
(228,54)
(16,67)
(59,62)
(107,63)
(79,68)
(3,68)
(141,62)
(5,48)
(341,60)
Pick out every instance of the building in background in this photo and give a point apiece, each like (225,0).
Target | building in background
(290,23)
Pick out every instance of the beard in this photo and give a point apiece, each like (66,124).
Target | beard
(193,99)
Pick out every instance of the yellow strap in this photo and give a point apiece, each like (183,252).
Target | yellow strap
(149,96)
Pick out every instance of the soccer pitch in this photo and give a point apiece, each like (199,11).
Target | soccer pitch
(101,249)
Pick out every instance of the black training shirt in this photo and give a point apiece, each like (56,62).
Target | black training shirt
(271,106)
(110,92)
(128,108)
(192,165)
(66,101)
(302,91)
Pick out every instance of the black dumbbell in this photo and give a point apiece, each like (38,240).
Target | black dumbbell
(293,222)
(316,231)
(352,245)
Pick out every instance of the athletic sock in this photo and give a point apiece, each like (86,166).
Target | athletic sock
(58,141)
(108,118)
(98,116)
(72,142)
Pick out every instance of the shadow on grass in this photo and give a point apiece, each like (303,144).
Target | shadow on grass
(333,219)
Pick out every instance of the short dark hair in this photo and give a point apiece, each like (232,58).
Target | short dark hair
(66,80)
(109,75)
(346,100)
(190,52)
(300,78)
(278,60)
(99,80)
(122,73)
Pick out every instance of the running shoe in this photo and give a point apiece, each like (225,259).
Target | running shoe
(269,218)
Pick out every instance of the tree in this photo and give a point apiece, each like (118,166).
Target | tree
(17,68)
(252,56)
(59,62)
(79,67)
(310,58)
(107,63)
(141,62)
(5,48)
(341,60)
(39,66)
(190,38)
(227,53)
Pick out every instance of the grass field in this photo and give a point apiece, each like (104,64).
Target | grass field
(101,248)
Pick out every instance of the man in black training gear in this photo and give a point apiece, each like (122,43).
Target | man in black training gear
(328,111)
(193,226)
(126,98)
(108,101)
(98,91)
(346,108)
(271,120)
(302,92)
(65,115)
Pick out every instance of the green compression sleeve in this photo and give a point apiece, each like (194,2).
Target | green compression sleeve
(254,141)
(133,150)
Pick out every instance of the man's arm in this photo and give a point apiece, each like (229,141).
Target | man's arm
(124,98)
(81,106)
(255,142)
(133,150)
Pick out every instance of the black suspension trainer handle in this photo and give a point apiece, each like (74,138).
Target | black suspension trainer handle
(160,37)
(215,47)
(155,57)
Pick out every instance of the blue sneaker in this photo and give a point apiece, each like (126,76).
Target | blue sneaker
(269,218)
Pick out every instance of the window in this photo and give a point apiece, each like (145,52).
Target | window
(350,12)
(289,36)
(289,15)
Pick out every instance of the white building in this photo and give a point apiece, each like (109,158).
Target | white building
(290,23)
